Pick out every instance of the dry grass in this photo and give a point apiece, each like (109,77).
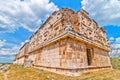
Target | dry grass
(1,76)
(102,75)
(20,73)
(0,64)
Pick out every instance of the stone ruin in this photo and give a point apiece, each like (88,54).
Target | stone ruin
(68,43)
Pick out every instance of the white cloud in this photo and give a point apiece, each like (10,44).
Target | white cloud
(2,42)
(111,38)
(115,50)
(11,49)
(28,13)
(105,12)
(115,46)
(118,40)
(115,53)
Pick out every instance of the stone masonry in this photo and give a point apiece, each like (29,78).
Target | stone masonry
(67,43)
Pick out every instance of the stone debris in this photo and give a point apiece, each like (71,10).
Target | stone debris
(4,68)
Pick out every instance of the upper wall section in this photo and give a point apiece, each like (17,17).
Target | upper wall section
(60,20)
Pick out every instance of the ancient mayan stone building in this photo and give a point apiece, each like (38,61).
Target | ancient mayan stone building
(68,43)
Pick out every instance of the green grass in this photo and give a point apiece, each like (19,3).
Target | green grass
(21,73)
(115,63)
(102,75)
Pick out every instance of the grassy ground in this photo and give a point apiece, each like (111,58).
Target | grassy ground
(16,72)
(115,63)
(1,76)
(0,64)
(20,73)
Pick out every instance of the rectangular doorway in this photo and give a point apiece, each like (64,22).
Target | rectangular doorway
(89,56)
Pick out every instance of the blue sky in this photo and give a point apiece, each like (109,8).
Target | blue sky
(19,19)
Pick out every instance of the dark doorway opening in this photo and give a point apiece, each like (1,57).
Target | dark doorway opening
(89,57)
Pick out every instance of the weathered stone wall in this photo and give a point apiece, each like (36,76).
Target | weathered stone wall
(101,58)
(76,54)
(50,56)
(32,57)
(20,61)
(62,54)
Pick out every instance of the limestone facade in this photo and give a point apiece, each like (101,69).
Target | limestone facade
(68,43)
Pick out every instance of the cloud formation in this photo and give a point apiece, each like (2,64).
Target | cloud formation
(115,46)
(6,58)
(24,13)
(7,48)
(9,51)
(118,40)
(105,12)
(2,42)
